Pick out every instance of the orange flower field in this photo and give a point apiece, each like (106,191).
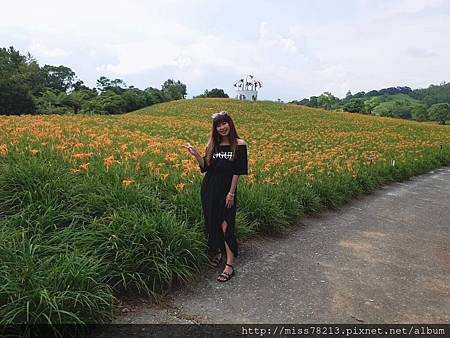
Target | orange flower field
(283,140)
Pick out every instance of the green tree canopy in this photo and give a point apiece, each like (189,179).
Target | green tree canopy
(20,80)
(371,103)
(104,84)
(328,101)
(60,78)
(108,102)
(433,94)
(215,92)
(439,112)
(134,99)
(400,107)
(174,90)
(354,106)
(153,95)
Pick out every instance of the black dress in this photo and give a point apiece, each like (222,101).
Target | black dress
(215,187)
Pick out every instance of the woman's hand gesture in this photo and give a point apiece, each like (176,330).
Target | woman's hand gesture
(229,201)
(192,150)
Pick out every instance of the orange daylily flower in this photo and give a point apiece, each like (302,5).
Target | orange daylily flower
(3,150)
(82,156)
(109,161)
(180,186)
(85,166)
(128,182)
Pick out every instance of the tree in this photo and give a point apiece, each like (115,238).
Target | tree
(79,85)
(173,90)
(117,85)
(400,107)
(50,102)
(371,103)
(20,80)
(153,96)
(313,102)
(103,83)
(213,93)
(418,111)
(75,100)
(372,93)
(134,99)
(328,101)
(359,94)
(108,102)
(354,106)
(59,78)
(54,102)
(420,115)
(303,102)
(439,112)
(433,94)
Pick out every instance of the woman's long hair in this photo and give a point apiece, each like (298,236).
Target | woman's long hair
(214,140)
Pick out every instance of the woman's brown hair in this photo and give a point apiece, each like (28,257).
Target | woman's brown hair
(214,140)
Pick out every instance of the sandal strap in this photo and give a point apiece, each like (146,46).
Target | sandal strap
(225,276)
(229,265)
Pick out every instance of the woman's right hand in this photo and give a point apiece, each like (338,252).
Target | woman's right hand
(192,150)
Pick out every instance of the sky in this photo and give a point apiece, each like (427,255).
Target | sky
(296,48)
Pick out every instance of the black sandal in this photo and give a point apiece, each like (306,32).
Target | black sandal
(225,275)
(215,261)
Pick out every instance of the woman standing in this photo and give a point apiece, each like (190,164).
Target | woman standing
(224,161)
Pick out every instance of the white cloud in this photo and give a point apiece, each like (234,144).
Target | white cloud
(49,52)
(139,56)
(394,9)
(269,39)
(419,52)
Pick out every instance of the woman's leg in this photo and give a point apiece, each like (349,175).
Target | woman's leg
(230,255)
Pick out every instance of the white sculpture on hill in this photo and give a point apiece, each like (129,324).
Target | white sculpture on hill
(247,90)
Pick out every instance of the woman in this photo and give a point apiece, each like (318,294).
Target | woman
(224,161)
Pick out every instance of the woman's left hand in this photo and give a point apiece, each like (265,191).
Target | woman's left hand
(229,201)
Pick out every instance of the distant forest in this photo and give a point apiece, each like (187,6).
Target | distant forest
(428,104)
(28,88)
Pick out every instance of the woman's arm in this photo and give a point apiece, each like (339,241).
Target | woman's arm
(234,182)
(200,160)
(229,200)
(193,151)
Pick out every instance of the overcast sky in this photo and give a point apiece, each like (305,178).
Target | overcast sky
(294,48)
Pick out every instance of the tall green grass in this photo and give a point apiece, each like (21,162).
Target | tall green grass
(70,244)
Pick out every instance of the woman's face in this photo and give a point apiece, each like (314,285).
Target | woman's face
(223,128)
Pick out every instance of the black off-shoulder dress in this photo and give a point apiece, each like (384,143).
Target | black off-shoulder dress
(215,187)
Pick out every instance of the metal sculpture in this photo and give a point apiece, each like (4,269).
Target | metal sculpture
(247,89)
